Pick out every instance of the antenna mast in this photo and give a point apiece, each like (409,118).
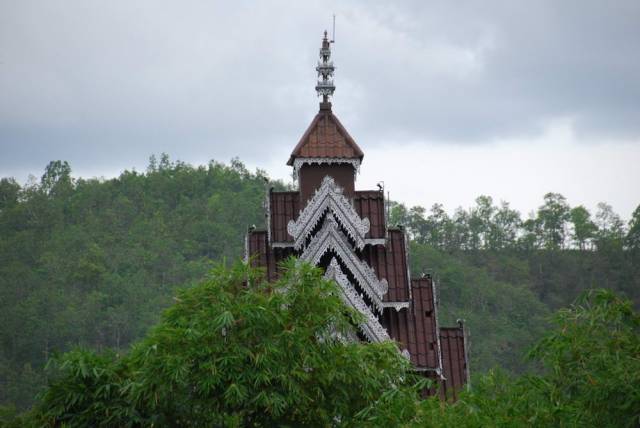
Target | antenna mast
(333,36)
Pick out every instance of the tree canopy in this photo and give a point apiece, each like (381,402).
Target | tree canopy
(237,351)
(591,375)
(93,262)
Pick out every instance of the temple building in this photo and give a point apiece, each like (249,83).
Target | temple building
(330,224)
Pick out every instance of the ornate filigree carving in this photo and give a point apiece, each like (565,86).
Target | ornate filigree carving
(371,327)
(396,305)
(328,197)
(298,162)
(330,237)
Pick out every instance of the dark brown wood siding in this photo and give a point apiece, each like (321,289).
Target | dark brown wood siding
(283,207)
(259,252)
(415,328)
(397,324)
(453,360)
(390,262)
(311,177)
(370,204)
(261,255)
(424,324)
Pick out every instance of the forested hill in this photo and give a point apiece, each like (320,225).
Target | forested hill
(93,262)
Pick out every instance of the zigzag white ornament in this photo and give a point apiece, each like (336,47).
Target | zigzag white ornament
(330,237)
(371,327)
(328,197)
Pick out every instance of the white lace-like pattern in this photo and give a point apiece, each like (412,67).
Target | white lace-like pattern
(371,327)
(396,305)
(330,237)
(328,197)
(298,162)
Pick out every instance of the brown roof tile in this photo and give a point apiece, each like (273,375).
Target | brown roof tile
(326,138)
(390,262)
(262,255)
(283,207)
(453,360)
(370,204)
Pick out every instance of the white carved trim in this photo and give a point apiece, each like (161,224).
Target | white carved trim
(298,162)
(328,197)
(267,209)
(434,293)
(375,241)
(282,245)
(246,247)
(465,343)
(428,369)
(405,238)
(330,237)
(371,327)
(396,305)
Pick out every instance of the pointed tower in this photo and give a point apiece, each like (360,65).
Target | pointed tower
(326,148)
(330,224)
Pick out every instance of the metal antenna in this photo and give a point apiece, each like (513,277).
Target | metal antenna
(333,37)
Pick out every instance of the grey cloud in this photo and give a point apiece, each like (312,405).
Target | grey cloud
(101,82)
(531,64)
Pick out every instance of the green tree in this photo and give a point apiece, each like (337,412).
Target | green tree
(398,214)
(632,239)
(56,178)
(93,262)
(460,226)
(480,222)
(417,225)
(553,216)
(438,227)
(9,193)
(503,228)
(531,238)
(610,226)
(583,227)
(236,351)
(591,376)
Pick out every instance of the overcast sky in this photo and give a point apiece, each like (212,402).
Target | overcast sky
(448,100)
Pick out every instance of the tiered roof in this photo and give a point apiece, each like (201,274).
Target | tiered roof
(346,234)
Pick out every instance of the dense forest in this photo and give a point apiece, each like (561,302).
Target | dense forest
(93,262)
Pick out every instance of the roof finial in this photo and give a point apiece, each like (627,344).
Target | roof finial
(325,69)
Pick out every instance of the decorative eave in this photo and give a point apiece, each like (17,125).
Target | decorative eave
(298,162)
(371,327)
(331,238)
(367,241)
(328,197)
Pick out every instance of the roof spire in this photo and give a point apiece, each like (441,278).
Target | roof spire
(325,69)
